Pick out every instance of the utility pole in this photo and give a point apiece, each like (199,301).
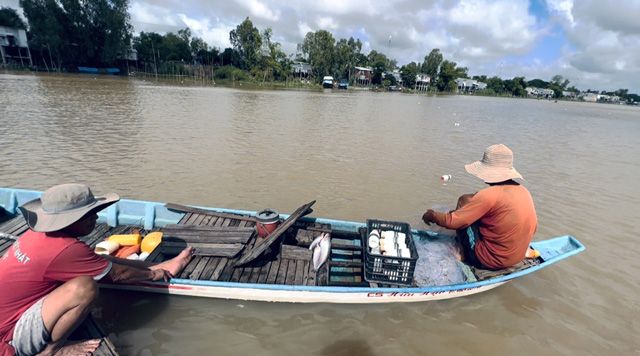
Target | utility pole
(389,49)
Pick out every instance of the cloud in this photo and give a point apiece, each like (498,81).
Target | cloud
(562,8)
(260,10)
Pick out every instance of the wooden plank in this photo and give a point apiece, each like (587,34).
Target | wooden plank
(312,275)
(195,274)
(236,274)
(255,274)
(339,246)
(186,272)
(282,272)
(483,274)
(264,272)
(273,272)
(97,235)
(295,252)
(299,276)
(203,249)
(223,239)
(305,237)
(17,223)
(190,209)
(269,240)
(205,228)
(291,273)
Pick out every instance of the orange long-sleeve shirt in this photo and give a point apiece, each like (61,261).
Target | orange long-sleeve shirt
(507,221)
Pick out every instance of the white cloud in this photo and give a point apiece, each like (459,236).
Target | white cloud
(303,29)
(217,36)
(563,8)
(326,23)
(260,10)
(149,14)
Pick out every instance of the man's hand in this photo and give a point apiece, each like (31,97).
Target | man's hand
(158,274)
(428,217)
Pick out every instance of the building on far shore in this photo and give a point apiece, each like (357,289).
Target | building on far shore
(301,69)
(469,85)
(362,76)
(14,47)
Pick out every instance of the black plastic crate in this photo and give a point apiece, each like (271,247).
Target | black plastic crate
(389,269)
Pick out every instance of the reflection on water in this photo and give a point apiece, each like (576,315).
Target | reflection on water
(360,155)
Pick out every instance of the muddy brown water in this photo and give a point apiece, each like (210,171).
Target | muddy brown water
(361,155)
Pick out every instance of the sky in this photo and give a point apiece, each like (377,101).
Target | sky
(594,44)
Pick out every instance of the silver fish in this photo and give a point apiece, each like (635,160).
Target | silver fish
(321,247)
(4,235)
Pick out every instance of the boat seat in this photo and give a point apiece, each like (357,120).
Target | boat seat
(483,274)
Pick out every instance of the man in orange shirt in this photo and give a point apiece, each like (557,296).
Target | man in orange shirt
(495,225)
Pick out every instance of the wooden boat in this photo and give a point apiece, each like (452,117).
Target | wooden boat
(233,262)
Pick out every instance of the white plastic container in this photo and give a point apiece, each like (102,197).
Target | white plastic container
(446,177)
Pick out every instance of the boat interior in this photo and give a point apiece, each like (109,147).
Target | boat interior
(228,248)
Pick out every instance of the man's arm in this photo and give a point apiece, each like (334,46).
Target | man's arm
(463,217)
(124,273)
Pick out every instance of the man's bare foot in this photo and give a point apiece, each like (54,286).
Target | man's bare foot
(178,263)
(72,348)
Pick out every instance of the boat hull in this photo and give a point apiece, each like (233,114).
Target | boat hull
(340,295)
(153,215)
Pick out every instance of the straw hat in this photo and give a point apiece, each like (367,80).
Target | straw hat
(63,205)
(496,165)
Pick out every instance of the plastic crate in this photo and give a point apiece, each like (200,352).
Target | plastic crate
(389,269)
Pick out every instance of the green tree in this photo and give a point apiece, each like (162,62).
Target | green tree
(9,17)
(480,78)
(495,84)
(147,45)
(408,74)
(346,56)
(560,82)
(449,72)
(274,62)
(516,86)
(79,32)
(431,64)
(202,53)
(176,47)
(247,42)
(538,83)
(319,50)
(374,56)
(379,68)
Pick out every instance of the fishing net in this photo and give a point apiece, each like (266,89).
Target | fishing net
(438,263)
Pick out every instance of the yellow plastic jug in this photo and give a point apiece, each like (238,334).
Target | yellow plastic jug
(151,241)
(126,240)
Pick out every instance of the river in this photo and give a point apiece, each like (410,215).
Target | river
(361,155)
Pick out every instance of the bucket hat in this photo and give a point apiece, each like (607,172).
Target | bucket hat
(496,165)
(63,205)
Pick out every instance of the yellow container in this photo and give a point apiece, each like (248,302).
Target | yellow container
(151,241)
(126,240)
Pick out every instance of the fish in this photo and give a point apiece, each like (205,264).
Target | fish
(321,247)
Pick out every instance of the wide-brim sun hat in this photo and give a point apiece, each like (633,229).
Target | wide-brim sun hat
(496,165)
(63,205)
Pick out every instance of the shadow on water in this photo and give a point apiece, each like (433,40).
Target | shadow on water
(348,347)
(119,311)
